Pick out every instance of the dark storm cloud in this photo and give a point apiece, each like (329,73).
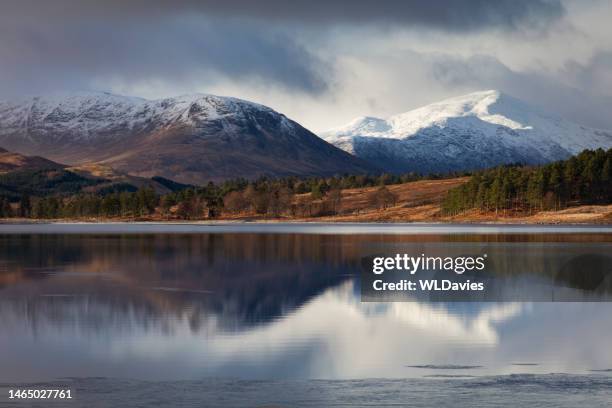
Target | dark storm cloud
(454,15)
(180,50)
(72,44)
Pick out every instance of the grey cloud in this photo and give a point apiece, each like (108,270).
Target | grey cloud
(70,44)
(451,15)
(183,50)
(595,75)
(73,45)
(582,105)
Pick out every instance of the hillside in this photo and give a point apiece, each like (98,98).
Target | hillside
(413,201)
(37,176)
(191,139)
(10,161)
(416,200)
(420,201)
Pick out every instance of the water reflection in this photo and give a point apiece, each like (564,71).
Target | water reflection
(158,306)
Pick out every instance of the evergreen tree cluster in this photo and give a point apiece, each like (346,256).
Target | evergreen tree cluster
(582,179)
(43,182)
(125,204)
(6,210)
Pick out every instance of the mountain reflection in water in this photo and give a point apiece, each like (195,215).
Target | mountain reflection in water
(264,306)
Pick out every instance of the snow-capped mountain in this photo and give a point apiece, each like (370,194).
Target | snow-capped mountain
(479,130)
(190,138)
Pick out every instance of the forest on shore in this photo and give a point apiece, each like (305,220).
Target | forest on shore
(516,189)
(264,197)
(582,179)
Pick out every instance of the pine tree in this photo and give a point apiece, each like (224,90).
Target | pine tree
(584,178)
(5,208)
(606,179)
(25,206)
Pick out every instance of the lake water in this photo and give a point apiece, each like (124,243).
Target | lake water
(271,315)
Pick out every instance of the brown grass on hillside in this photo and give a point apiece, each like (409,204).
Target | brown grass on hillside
(573,215)
(416,201)
(420,201)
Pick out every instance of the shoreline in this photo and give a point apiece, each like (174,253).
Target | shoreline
(401,216)
(321,228)
(295,222)
(298,222)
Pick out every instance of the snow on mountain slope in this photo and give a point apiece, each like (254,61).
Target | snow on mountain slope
(190,138)
(477,130)
(83,115)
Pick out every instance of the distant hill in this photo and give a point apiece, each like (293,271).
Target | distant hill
(38,176)
(10,161)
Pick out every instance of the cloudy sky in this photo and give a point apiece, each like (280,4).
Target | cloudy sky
(323,63)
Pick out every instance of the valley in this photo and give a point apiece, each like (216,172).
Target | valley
(99,156)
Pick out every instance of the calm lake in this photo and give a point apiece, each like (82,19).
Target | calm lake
(271,315)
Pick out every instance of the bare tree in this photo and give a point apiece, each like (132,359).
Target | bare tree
(235,202)
(382,198)
(304,205)
(279,201)
(258,200)
(334,198)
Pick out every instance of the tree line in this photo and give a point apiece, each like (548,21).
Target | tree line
(312,197)
(582,179)
(124,204)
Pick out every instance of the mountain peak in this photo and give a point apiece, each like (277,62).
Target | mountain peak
(90,114)
(491,106)
(488,96)
(79,96)
(484,94)
(480,129)
(78,99)
(191,138)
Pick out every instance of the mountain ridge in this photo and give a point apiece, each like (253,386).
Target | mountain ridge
(191,138)
(473,131)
